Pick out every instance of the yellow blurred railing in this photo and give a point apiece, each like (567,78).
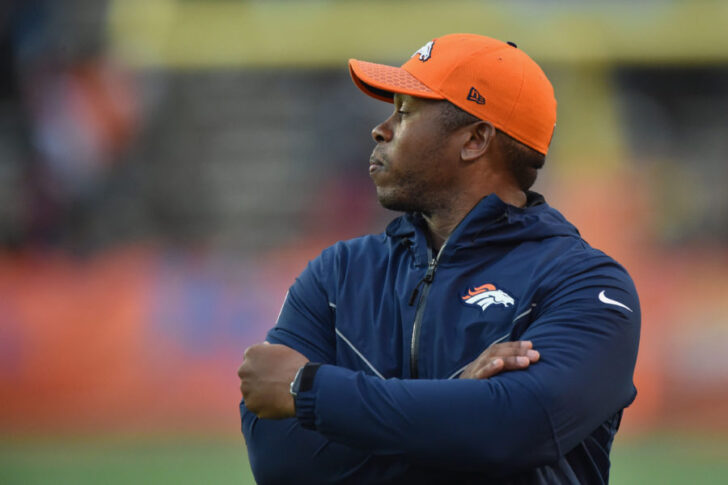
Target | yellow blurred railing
(198,33)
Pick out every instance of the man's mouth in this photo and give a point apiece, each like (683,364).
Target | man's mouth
(375,164)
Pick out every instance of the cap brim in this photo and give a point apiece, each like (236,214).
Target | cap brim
(381,82)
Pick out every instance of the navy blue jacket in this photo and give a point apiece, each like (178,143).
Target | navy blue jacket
(395,325)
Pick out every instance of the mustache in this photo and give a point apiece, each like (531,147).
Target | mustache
(375,159)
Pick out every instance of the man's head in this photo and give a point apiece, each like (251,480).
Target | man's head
(429,151)
(460,97)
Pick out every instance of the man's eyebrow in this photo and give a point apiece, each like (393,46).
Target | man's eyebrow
(400,99)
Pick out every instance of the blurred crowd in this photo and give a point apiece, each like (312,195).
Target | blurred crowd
(68,114)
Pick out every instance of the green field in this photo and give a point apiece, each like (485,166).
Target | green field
(660,459)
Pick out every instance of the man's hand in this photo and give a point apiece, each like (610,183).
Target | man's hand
(265,378)
(501,357)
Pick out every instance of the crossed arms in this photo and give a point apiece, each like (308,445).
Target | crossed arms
(265,376)
(501,417)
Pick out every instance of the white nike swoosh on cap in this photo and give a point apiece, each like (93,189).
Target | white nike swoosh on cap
(603,298)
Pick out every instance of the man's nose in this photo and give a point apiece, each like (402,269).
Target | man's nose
(382,132)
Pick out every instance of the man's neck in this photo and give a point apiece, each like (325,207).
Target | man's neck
(439,229)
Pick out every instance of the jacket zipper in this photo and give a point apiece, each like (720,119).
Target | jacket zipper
(426,282)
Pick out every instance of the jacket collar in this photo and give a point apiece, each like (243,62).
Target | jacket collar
(491,221)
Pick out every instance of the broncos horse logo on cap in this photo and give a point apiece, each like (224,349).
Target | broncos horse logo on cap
(486,295)
(425,51)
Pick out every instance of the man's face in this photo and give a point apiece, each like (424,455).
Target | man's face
(414,163)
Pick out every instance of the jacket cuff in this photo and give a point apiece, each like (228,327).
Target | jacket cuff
(305,403)
(305,409)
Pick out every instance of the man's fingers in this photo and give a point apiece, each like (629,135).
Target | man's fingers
(516,362)
(500,364)
(506,349)
(490,369)
(510,348)
(504,356)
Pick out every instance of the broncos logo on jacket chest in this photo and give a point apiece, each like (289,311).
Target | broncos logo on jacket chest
(487,295)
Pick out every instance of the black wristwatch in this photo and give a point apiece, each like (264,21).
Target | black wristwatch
(304,378)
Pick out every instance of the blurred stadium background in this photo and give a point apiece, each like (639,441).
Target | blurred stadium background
(168,166)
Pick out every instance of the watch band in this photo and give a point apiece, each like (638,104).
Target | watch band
(307,375)
(303,402)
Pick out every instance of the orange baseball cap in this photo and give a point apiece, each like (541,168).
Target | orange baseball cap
(492,80)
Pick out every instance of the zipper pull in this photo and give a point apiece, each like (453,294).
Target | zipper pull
(429,276)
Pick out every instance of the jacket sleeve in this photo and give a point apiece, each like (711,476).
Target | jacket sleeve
(515,420)
(306,320)
(281,451)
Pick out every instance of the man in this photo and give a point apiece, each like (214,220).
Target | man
(479,339)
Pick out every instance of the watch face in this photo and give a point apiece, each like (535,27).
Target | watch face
(292,389)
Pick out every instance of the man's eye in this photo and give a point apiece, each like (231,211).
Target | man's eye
(401,112)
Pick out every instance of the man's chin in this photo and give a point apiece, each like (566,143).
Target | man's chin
(394,203)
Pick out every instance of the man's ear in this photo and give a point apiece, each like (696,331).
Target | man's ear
(480,137)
